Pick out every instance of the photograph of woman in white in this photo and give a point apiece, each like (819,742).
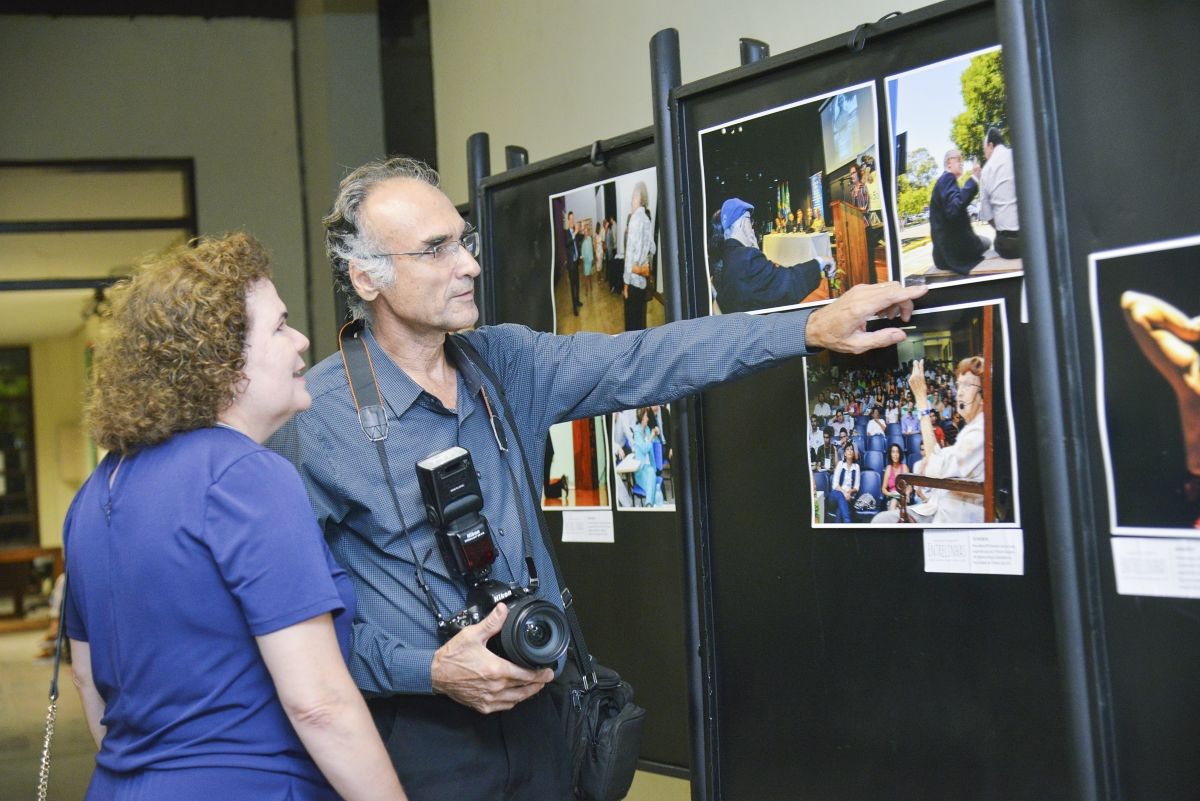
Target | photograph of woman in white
(964,459)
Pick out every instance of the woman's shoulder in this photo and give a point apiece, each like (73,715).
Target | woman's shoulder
(217,449)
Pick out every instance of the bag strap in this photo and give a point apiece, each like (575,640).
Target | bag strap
(583,657)
(43,785)
(58,640)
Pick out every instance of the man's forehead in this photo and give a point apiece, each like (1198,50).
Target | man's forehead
(409,208)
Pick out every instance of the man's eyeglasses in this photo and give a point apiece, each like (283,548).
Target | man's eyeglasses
(445,252)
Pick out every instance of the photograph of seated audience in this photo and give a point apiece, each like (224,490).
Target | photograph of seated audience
(794,204)
(593,285)
(642,457)
(955,190)
(575,469)
(934,406)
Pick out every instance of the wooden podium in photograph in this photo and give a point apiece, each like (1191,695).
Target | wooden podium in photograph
(850,228)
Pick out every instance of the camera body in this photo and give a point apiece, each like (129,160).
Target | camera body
(535,634)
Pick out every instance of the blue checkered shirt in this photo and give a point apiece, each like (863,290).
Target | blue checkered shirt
(547,379)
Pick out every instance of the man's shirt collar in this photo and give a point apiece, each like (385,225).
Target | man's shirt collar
(399,390)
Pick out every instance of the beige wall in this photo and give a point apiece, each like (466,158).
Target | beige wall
(527,71)
(60,444)
(341,112)
(219,91)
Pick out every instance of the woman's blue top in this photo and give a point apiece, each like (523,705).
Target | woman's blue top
(203,542)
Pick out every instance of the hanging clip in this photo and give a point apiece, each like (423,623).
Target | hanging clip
(858,37)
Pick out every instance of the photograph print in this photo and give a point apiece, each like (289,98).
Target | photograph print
(794,203)
(920,433)
(575,470)
(642,457)
(605,275)
(1146,318)
(954,194)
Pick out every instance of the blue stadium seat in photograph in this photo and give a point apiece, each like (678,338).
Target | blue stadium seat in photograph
(869,484)
(860,442)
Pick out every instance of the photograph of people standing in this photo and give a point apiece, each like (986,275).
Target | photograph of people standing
(607,248)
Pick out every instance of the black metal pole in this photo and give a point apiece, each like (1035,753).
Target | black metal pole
(479,166)
(515,156)
(665,76)
(753,50)
(1054,349)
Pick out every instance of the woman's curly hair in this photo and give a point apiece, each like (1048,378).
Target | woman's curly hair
(171,354)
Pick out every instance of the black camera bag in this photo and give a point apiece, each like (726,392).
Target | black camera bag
(601,723)
(603,728)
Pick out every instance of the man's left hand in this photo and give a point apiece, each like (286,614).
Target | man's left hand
(468,672)
(842,325)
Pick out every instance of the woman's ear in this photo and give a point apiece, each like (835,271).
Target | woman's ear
(363,284)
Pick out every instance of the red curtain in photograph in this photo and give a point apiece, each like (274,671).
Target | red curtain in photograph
(584,435)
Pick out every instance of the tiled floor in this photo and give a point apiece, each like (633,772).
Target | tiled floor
(654,787)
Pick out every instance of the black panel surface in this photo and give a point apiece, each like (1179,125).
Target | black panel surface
(1125,120)
(629,595)
(843,669)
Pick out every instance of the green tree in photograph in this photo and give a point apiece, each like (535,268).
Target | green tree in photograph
(983,95)
(912,195)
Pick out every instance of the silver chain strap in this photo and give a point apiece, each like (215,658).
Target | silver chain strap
(44,770)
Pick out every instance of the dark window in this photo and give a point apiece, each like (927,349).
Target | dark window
(18,474)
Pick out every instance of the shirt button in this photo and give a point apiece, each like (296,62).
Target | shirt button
(501,531)
(478,474)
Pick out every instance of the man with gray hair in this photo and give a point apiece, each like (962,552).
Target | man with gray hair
(749,280)
(460,721)
(956,246)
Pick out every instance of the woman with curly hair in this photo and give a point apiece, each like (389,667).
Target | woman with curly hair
(208,621)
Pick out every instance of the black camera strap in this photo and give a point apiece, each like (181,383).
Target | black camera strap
(583,657)
(372,416)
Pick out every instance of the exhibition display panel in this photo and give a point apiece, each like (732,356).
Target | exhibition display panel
(570,246)
(879,625)
(961,567)
(1112,214)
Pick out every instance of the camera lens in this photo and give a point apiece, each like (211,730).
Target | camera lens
(535,634)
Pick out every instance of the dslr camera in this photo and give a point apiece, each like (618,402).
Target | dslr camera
(535,634)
